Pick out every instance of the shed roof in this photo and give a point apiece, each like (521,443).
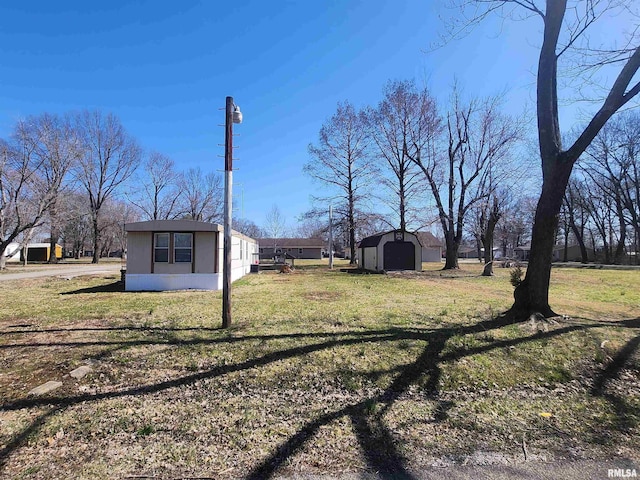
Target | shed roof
(371,241)
(374,240)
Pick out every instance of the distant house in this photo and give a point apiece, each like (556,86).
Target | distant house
(182,254)
(394,250)
(310,248)
(12,253)
(522,252)
(431,247)
(573,253)
(467,252)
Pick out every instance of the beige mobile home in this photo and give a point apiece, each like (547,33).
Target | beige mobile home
(182,254)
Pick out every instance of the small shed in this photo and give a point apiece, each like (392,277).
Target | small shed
(393,250)
(41,252)
(182,254)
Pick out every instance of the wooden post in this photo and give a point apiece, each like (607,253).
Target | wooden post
(228,169)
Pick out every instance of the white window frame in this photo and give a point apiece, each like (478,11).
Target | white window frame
(182,248)
(157,248)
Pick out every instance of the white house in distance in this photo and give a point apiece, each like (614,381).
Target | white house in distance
(182,254)
(12,252)
(431,247)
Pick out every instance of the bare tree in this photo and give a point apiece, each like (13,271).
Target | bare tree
(29,184)
(489,213)
(564,37)
(109,158)
(576,216)
(478,136)
(275,225)
(607,165)
(201,195)
(514,227)
(313,227)
(247,227)
(76,224)
(54,140)
(340,162)
(612,165)
(113,238)
(396,125)
(157,194)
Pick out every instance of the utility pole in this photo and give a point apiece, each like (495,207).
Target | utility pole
(331,237)
(232,115)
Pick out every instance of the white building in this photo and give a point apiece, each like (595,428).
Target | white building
(12,252)
(182,254)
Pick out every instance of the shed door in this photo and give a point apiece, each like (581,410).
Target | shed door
(399,256)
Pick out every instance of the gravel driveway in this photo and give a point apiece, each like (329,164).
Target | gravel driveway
(66,271)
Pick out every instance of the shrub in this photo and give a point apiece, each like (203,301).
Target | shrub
(516,275)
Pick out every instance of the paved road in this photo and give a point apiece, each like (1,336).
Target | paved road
(565,470)
(64,270)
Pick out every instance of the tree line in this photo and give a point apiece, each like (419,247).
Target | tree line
(566,52)
(462,170)
(79,177)
(426,164)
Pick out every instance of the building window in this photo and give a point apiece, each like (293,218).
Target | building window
(300,251)
(182,247)
(161,248)
(261,250)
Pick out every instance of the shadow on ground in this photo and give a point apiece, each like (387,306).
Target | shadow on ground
(117,286)
(378,444)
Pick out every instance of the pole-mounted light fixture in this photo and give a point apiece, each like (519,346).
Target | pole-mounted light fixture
(237,114)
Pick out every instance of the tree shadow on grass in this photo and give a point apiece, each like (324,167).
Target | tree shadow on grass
(381,450)
(117,286)
(626,413)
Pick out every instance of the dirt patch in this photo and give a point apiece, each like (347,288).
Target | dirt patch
(323,296)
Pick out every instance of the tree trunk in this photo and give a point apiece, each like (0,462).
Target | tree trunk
(487,240)
(53,234)
(451,257)
(619,255)
(565,257)
(352,237)
(96,241)
(580,239)
(532,295)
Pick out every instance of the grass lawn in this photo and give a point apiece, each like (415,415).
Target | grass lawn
(322,371)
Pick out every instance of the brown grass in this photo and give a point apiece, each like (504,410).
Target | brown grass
(321,372)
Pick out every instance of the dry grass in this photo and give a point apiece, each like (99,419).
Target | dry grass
(321,371)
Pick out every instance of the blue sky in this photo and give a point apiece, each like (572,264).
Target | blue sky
(165,67)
